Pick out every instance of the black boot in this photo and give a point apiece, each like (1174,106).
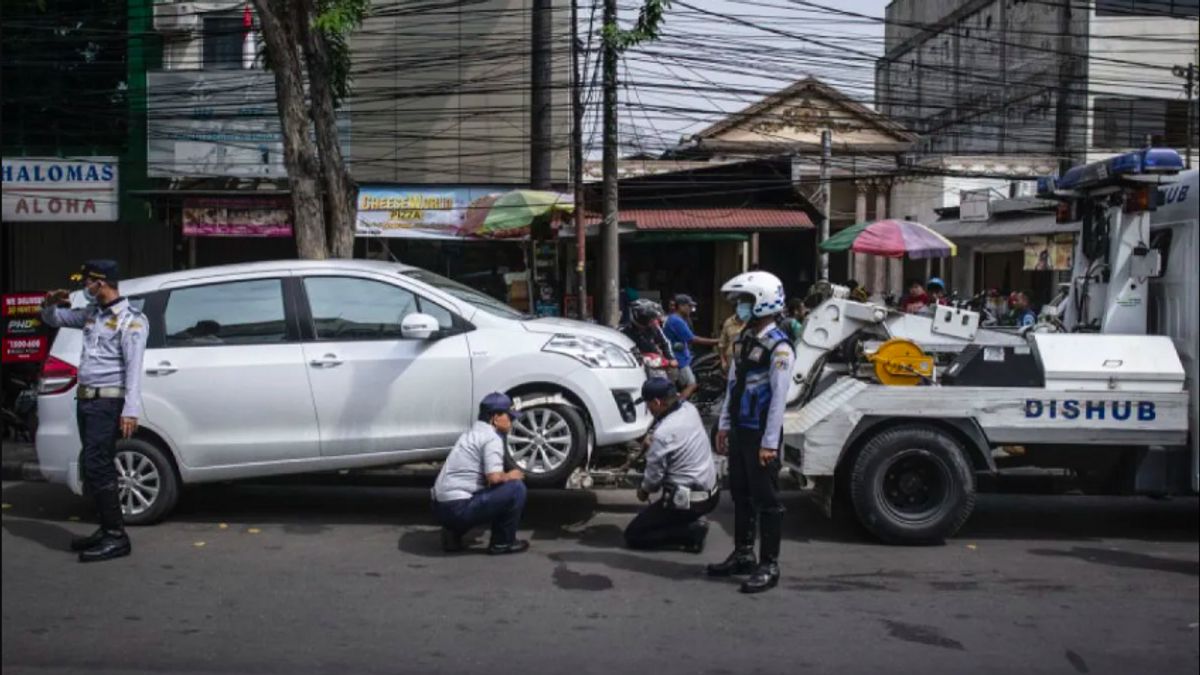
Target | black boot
(451,541)
(741,561)
(112,545)
(697,533)
(766,577)
(84,543)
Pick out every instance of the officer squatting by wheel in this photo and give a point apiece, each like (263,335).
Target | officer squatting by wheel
(750,429)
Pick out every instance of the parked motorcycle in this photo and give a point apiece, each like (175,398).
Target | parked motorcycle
(18,414)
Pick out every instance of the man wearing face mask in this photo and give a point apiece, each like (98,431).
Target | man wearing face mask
(750,429)
(109,395)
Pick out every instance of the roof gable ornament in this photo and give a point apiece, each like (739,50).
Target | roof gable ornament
(805,118)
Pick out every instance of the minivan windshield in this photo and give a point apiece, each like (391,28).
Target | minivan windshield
(465,293)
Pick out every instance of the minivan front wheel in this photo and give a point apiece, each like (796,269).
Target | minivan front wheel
(547,443)
(147,481)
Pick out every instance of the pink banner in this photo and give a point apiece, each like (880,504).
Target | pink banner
(237,217)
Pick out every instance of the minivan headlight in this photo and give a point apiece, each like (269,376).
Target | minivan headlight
(592,352)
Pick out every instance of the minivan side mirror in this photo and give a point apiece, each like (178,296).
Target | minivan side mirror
(419,327)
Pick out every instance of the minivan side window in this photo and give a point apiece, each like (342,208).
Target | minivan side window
(232,313)
(346,308)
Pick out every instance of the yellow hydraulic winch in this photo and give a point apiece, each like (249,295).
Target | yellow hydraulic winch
(901,362)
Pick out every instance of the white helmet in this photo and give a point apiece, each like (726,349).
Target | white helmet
(764,287)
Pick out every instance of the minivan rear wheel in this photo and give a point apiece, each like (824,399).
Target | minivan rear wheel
(547,443)
(147,480)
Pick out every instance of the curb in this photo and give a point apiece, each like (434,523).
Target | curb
(21,471)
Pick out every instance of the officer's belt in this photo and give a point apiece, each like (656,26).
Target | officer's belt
(86,392)
(703,495)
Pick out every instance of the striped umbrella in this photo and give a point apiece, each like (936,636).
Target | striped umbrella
(892,239)
(511,214)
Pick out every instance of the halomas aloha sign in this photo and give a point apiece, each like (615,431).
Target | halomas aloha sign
(45,189)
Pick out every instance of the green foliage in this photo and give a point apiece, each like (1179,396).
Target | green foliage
(335,20)
(650,19)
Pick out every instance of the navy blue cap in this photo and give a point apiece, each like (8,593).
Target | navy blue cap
(684,299)
(657,388)
(496,403)
(104,270)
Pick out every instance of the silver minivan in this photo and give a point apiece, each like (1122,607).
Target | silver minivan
(300,366)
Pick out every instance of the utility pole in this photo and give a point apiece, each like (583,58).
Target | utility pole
(540,149)
(826,152)
(1189,75)
(610,312)
(1062,111)
(577,165)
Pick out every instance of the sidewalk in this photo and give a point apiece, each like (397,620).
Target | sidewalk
(18,461)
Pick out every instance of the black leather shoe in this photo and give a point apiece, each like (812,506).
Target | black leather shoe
(741,561)
(84,543)
(764,578)
(110,546)
(451,541)
(518,546)
(698,531)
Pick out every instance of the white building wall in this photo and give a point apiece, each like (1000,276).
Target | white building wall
(1133,56)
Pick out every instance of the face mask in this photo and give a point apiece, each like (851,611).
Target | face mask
(90,296)
(745,311)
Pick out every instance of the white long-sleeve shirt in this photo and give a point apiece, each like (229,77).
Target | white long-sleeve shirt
(114,344)
(680,453)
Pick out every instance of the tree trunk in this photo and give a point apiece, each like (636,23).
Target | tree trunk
(281,36)
(340,192)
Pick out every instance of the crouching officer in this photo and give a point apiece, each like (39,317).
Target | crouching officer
(109,394)
(750,429)
(679,463)
(473,488)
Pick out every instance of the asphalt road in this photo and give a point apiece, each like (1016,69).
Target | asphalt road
(336,579)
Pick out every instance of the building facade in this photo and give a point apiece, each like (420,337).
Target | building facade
(1002,91)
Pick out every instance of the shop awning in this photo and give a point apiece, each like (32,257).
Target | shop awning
(680,237)
(1007,228)
(709,219)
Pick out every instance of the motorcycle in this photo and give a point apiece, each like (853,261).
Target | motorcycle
(18,415)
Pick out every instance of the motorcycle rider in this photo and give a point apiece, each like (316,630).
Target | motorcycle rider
(645,329)
(750,429)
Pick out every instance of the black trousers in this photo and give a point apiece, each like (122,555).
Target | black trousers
(657,525)
(755,491)
(99,421)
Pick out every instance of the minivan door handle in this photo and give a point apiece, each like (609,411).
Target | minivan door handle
(164,368)
(327,361)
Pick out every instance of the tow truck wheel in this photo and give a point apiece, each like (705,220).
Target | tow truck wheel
(912,485)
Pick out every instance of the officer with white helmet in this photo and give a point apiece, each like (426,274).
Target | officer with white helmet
(750,429)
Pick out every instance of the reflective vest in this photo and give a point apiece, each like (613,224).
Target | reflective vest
(750,399)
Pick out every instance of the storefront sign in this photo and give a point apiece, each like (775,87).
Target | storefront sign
(25,337)
(237,217)
(51,189)
(418,211)
(1050,252)
(218,123)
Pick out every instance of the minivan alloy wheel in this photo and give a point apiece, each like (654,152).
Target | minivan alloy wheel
(139,482)
(541,441)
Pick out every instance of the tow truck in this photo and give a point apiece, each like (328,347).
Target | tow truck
(897,416)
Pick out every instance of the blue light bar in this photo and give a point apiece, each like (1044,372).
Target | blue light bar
(1161,159)
(1110,171)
